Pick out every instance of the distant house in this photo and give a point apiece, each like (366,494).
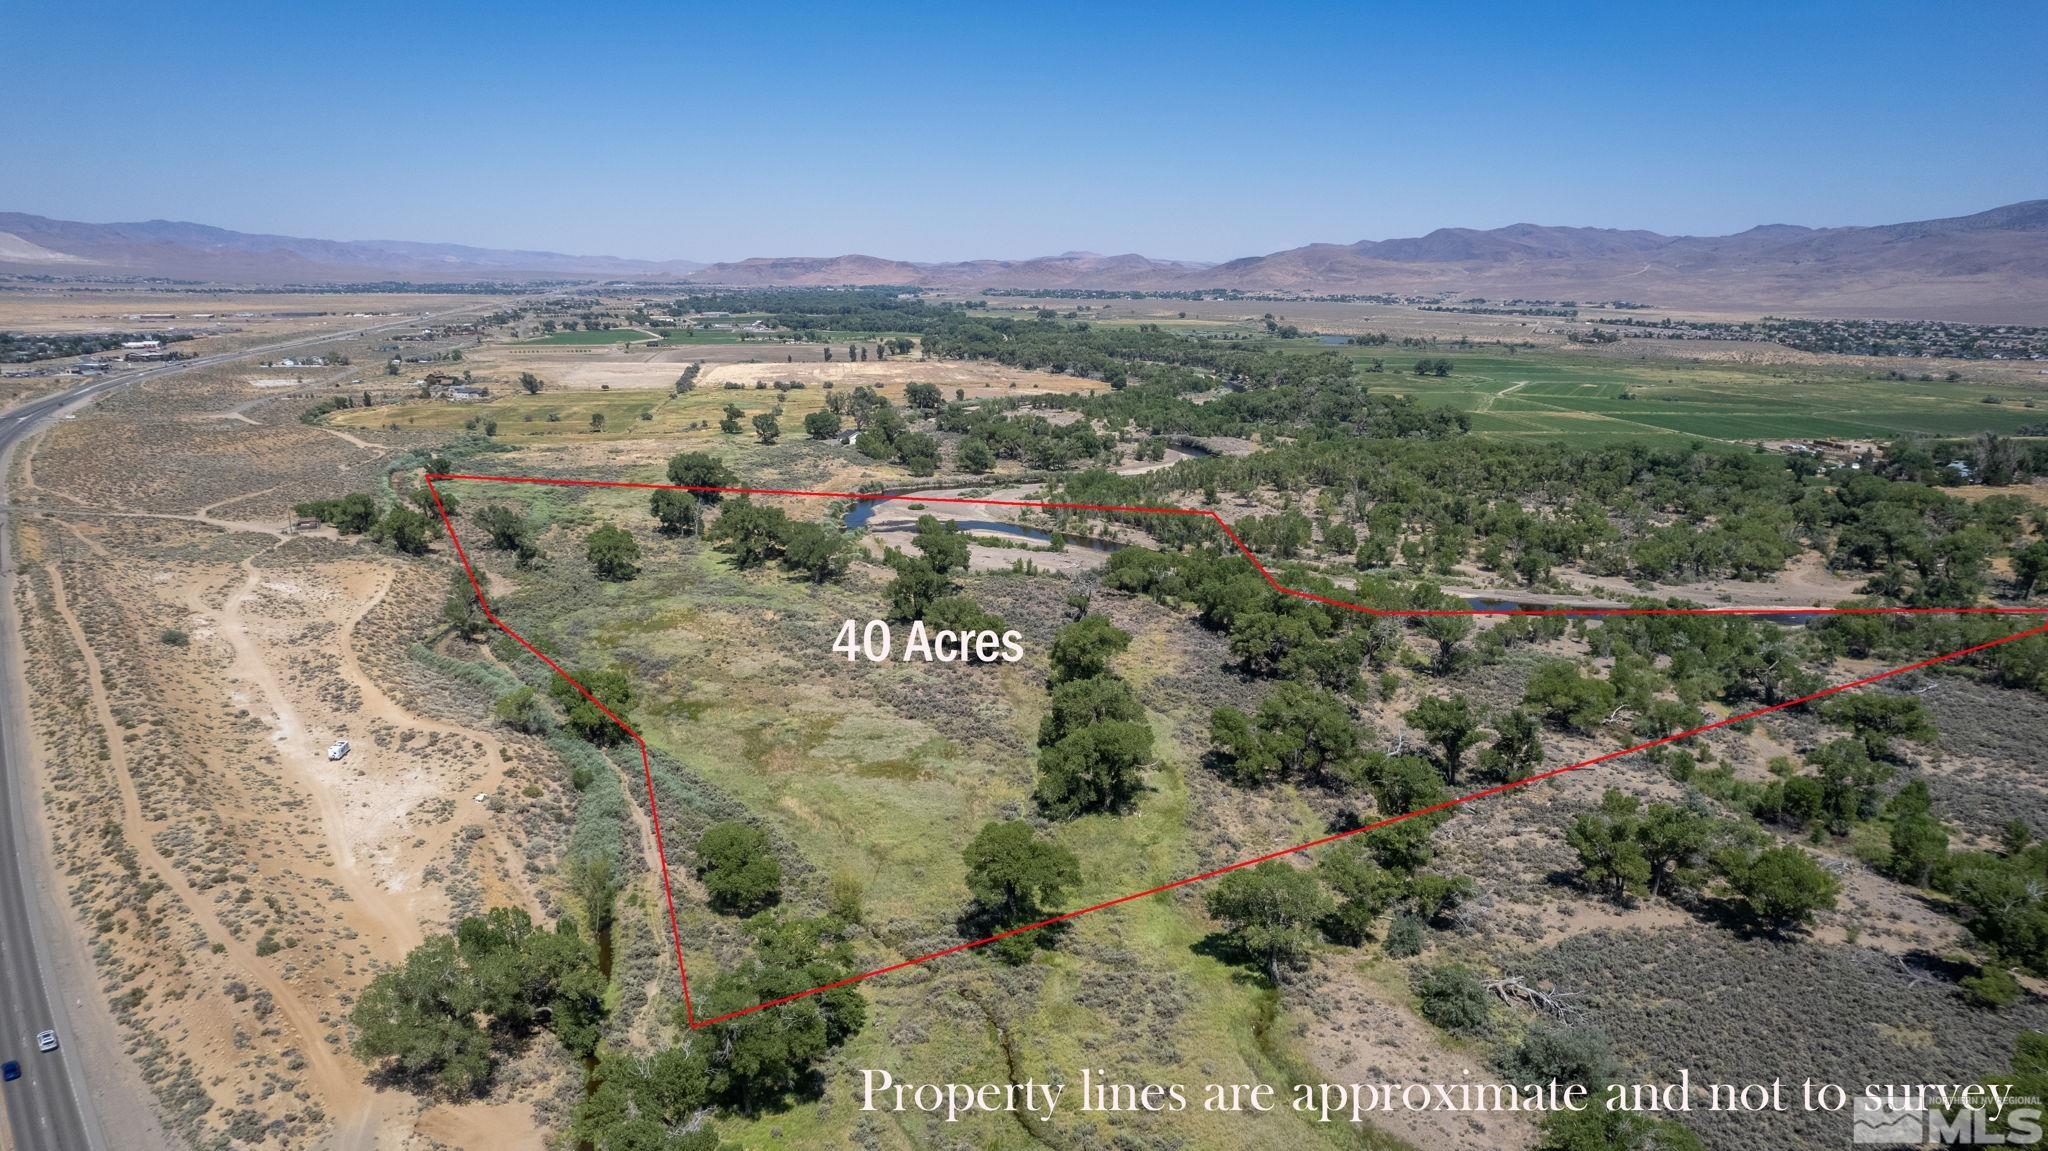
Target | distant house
(142,345)
(443,386)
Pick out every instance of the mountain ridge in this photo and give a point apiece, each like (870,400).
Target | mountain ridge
(1984,263)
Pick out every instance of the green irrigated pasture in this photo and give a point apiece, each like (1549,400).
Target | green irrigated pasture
(1595,399)
(613,336)
(678,337)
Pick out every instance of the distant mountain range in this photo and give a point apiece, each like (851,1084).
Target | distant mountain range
(1991,265)
(181,251)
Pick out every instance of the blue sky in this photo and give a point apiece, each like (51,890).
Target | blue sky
(950,131)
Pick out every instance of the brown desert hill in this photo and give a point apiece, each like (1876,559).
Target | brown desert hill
(1514,243)
(1990,266)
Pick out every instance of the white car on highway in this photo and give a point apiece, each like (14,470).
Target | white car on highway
(338,749)
(46,1041)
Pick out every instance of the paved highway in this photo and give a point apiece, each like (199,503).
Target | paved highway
(49,1107)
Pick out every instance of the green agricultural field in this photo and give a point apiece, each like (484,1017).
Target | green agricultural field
(1594,399)
(612,336)
(678,338)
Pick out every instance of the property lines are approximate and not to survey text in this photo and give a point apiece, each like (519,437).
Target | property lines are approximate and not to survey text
(647,766)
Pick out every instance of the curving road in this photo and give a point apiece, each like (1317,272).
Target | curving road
(50,1108)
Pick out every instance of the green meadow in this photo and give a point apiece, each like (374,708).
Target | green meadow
(611,336)
(881,774)
(1553,395)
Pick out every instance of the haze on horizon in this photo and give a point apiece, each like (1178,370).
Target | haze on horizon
(935,133)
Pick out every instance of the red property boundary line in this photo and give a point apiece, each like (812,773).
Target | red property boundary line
(647,766)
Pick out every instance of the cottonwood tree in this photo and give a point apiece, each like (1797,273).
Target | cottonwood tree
(613,553)
(594,882)
(1611,861)
(1084,648)
(1516,752)
(1446,631)
(738,867)
(442,1016)
(1568,698)
(677,512)
(1099,767)
(583,717)
(976,457)
(751,533)
(1077,703)
(1270,911)
(1881,718)
(1450,726)
(420,1019)
(1016,877)
(821,425)
(756,1060)
(461,610)
(700,470)
(1919,841)
(1782,887)
(352,514)
(508,529)
(819,552)
(943,544)
(916,586)
(649,1103)
(1363,890)
(2029,567)
(1300,733)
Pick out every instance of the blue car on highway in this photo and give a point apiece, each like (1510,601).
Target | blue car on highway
(10,1071)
